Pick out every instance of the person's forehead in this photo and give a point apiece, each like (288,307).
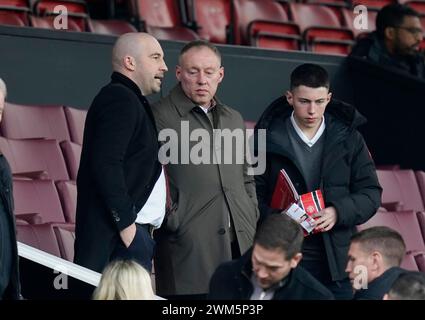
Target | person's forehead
(195,54)
(151,46)
(356,249)
(412,21)
(265,255)
(304,91)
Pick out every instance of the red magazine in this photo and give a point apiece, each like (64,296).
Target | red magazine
(285,195)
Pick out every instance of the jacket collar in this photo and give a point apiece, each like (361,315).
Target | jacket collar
(117,77)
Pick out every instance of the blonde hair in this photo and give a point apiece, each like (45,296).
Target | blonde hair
(3,87)
(124,280)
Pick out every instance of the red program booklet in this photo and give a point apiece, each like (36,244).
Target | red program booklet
(285,195)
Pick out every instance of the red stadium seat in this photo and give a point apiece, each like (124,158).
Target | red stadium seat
(404,222)
(163,19)
(247,12)
(35,158)
(400,190)
(76,119)
(40,197)
(48,23)
(72,154)
(213,18)
(26,121)
(110,27)
(409,262)
(349,16)
(321,28)
(68,195)
(65,236)
(12,18)
(39,236)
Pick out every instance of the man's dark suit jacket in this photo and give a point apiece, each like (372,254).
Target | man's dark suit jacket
(118,169)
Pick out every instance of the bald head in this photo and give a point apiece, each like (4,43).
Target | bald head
(3,89)
(139,56)
(129,45)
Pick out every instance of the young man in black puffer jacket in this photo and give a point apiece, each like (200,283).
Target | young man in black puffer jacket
(317,143)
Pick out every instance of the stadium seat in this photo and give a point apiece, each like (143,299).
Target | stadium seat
(39,236)
(110,27)
(65,236)
(14,12)
(420,177)
(409,262)
(46,7)
(76,119)
(405,222)
(27,121)
(212,18)
(420,261)
(48,23)
(38,197)
(67,191)
(72,154)
(35,158)
(164,19)
(264,24)
(11,18)
(349,16)
(274,35)
(172,33)
(77,13)
(321,29)
(400,190)
(335,5)
(421,220)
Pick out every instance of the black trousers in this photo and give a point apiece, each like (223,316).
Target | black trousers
(141,248)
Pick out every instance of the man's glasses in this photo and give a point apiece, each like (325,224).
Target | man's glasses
(412,30)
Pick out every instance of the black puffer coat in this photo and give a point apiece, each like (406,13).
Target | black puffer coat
(348,176)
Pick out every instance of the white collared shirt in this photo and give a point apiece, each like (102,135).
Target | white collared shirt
(153,212)
(307,141)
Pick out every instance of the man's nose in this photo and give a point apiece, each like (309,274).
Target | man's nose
(201,78)
(262,273)
(312,108)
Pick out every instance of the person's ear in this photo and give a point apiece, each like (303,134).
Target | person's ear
(329,96)
(130,63)
(221,74)
(377,261)
(178,72)
(289,97)
(295,260)
(389,33)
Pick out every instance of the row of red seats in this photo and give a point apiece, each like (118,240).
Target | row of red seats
(43,147)
(322,26)
(411,226)
(403,202)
